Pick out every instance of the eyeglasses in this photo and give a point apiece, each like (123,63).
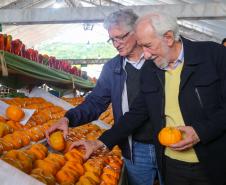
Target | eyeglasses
(119,39)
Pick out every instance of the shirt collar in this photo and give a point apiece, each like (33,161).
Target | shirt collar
(136,64)
(179,60)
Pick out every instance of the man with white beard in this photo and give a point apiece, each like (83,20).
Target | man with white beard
(184,87)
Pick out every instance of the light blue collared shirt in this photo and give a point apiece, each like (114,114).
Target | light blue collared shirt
(179,60)
(136,64)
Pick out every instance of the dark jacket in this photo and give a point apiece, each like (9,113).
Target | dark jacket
(108,89)
(202,100)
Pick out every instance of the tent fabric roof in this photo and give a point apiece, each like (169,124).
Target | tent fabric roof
(33,35)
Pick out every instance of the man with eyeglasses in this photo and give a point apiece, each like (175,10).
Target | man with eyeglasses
(119,84)
(183,86)
(119,38)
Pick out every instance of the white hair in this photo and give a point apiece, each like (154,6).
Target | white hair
(162,23)
(124,17)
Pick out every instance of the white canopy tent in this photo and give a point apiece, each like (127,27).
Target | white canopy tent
(38,21)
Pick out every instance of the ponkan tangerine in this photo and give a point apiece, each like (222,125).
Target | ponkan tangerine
(15,113)
(57,141)
(169,135)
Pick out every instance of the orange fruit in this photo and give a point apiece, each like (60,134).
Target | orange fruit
(57,141)
(169,135)
(15,113)
(2,118)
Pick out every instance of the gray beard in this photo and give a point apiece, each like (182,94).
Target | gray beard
(162,64)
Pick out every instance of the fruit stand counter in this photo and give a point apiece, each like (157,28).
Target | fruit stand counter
(24,72)
(11,175)
(53,167)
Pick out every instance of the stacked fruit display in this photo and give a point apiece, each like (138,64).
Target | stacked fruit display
(41,162)
(103,167)
(74,101)
(44,111)
(106,117)
(68,167)
(14,135)
(18,48)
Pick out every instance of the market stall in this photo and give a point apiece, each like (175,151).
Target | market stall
(23,72)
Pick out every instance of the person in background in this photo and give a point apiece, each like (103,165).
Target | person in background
(185,87)
(119,84)
(224,42)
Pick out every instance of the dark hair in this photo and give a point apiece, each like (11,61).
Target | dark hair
(223,41)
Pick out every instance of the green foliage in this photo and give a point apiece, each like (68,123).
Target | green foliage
(78,50)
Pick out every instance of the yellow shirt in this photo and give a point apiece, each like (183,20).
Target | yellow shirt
(173,113)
